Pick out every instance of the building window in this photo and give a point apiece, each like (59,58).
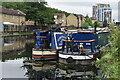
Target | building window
(23,18)
(5,16)
(18,17)
(13,17)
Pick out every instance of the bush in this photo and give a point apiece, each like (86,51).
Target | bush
(109,63)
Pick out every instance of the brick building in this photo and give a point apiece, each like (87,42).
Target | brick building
(10,18)
(71,20)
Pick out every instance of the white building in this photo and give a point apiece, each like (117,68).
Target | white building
(119,11)
(102,12)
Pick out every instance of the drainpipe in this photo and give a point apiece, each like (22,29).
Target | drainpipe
(78,22)
(66,21)
(81,20)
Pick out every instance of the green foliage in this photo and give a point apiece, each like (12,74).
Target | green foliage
(85,25)
(0,3)
(98,24)
(89,21)
(53,10)
(35,11)
(87,16)
(73,28)
(105,24)
(109,64)
(112,25)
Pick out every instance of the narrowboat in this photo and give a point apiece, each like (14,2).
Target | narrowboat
(46,45)
(82,47)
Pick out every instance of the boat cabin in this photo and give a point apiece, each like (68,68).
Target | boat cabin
(84,43)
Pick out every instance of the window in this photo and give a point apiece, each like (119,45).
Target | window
(17,17)
(13,17)
(23,18)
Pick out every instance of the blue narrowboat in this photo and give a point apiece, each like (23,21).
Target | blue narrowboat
(46,45)
(82,47)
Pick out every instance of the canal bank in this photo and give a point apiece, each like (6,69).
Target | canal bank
(16,34)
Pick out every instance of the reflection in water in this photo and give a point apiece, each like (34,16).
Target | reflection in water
(40,70)
(16,47)
(12,60)
(53,70)
(77,71)
(13,69)
(14,39)
(20,65)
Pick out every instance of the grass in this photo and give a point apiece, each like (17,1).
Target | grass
(72,28)
(14,34)
(76,28)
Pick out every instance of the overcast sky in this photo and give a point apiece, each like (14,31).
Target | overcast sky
(83,6)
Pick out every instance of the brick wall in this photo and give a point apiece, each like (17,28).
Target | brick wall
(13,19)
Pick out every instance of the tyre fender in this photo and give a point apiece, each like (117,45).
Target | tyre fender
(69,60)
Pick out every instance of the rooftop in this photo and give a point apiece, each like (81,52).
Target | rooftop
(59,15)
(11,11)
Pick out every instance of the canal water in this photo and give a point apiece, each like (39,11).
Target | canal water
(17,64)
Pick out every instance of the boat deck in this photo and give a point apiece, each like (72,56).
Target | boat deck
(86,52)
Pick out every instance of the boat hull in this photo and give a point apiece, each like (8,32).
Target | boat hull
(76,59)
(44,55)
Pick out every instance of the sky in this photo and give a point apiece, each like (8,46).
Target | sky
(83,7)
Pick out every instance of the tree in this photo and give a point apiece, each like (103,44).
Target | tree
(112,24)
(85,25)
(89,21)
(98,24)
(105,24)
(87,16)
(35,11)
(109,63)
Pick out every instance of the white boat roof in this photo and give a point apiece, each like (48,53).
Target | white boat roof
(8,23)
